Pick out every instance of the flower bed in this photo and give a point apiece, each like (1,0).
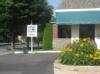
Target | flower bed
(67,69)
(82,52)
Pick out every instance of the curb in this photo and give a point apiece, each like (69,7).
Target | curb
(6,53)
(30,52)
(68,69)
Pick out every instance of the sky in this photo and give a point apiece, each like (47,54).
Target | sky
(54,3)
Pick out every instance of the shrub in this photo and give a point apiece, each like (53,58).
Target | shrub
(82,52)
(85,45)
(47,37)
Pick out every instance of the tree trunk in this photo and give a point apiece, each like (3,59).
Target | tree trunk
(13,41)
(38,42)
(28,43)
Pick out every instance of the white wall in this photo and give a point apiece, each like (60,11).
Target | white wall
(97,35)
(74,32)
(59,43)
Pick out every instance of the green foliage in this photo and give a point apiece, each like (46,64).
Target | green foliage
(4,35)
(47,37)
(85,45)
(16,13)
(82,52)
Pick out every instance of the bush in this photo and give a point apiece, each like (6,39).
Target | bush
(47,37)
(82,52)
(85,45)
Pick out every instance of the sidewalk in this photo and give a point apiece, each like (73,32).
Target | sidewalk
(66,69)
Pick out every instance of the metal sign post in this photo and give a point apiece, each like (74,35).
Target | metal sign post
(32,32)
(31,44)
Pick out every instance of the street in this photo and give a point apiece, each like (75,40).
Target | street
(41,63)
(5,46)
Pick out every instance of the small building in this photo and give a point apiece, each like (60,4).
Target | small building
(76,19)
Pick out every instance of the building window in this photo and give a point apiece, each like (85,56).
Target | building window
(64,31)
(87,31)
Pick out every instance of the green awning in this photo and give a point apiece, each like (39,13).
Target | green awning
(78,17)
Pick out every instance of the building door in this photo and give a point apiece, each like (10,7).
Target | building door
(87,31)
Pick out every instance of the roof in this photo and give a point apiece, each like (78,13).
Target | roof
(79,4)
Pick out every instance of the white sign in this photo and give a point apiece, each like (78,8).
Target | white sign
(31,30)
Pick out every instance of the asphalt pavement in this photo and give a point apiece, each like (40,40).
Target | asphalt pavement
(40,63)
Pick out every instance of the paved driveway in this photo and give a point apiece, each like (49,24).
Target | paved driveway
(41,63)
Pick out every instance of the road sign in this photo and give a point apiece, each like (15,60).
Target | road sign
(31,30)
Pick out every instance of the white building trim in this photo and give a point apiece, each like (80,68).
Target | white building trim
(97,35)
(73,10)
(74,33)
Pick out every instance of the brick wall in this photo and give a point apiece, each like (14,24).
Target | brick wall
(55,31)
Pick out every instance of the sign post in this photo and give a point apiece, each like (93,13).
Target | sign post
(31,32)
(31,44)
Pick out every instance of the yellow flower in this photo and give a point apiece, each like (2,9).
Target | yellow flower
(85,39)
(70,49)
(95,58)
(66,49)
(81,45)
(98,58)
(97,52)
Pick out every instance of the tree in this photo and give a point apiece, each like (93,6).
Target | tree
(3,17)
(47,37)
(19,13)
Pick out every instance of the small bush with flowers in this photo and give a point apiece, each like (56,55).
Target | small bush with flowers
(82,52)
